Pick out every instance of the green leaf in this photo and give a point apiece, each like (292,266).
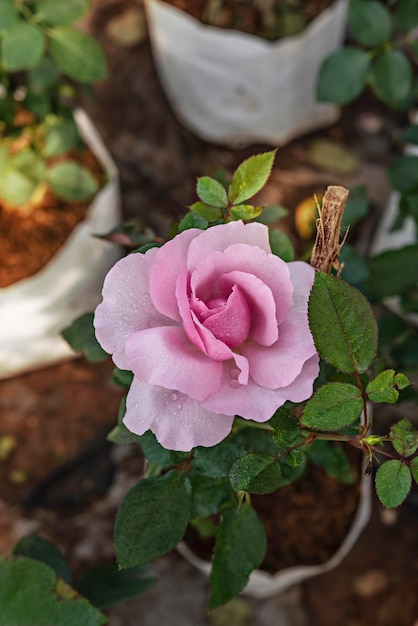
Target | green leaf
(239,549)
(44,76)
(391,77)
(355,268)
(406,15)
(393,272)
(404,438)
(272,213)
(32,595)
(54,13)
(414,469)
(122,378)
(295,458)
(245,211)
(77,54)
(403,173)
(211,192)
(342,323)
(332,459)
(330,155)
(216,462)
(286,428)
(255,472)
(370,22)
(209,494)
(192,220)
(72,181)
(22,46)
(209,213)
(357,206)
(332,407)
(158,455)
(250,177)
(60,138)
(8,14)
(104,585)
(281,245)
(383,388)
(81,337)
(410,134)
(152,518)
(393,482)
(41,549)
(343,76)
(17,188)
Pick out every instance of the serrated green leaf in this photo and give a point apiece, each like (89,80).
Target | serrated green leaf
(22,46)
(245,211)
(286,428)
(72,181)
(370,22)
(250,177)
(332,407)
(211,192)
(54,13)
(8,14)
(239,549)
(255,472)
(192,220)
(403,173)
(393,272)
(40,549)
(31,594)
(343,76)
(406,15)
(105,585)
(391,77)
(77,54)
(404,437)
(209,213)
(401,381)
(393,482)
(414,469)
(81,337)
(382,388)
(152,518)
(281,245)
(295,458)
(342,323)
(216,462)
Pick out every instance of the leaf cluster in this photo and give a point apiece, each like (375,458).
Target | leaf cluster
(40,49)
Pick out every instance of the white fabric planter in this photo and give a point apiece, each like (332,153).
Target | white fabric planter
(231,87)
(386,239)
(34,310)
(263,585)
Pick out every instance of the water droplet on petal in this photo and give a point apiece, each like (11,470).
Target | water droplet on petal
(173,397)
(179,407)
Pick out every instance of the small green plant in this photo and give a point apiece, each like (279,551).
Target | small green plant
(42,56)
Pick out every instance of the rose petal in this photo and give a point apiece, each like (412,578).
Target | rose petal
(278,365)
(231,323)
(302,276)
(164,356)
(219,238)
(178,422)
(126,305)
(170,262)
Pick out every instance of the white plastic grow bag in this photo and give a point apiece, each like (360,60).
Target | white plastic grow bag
(34,310)
(235,88)
(263,585)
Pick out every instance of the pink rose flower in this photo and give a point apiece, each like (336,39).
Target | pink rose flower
(213,325)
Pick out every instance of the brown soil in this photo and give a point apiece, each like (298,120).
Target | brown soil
(271,19)
(31,235)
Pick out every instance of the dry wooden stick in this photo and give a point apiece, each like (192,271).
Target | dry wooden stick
(326,251)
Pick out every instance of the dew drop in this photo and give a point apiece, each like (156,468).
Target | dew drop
(173,397)
(179,407)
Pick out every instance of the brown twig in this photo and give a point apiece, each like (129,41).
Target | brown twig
(326,251)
